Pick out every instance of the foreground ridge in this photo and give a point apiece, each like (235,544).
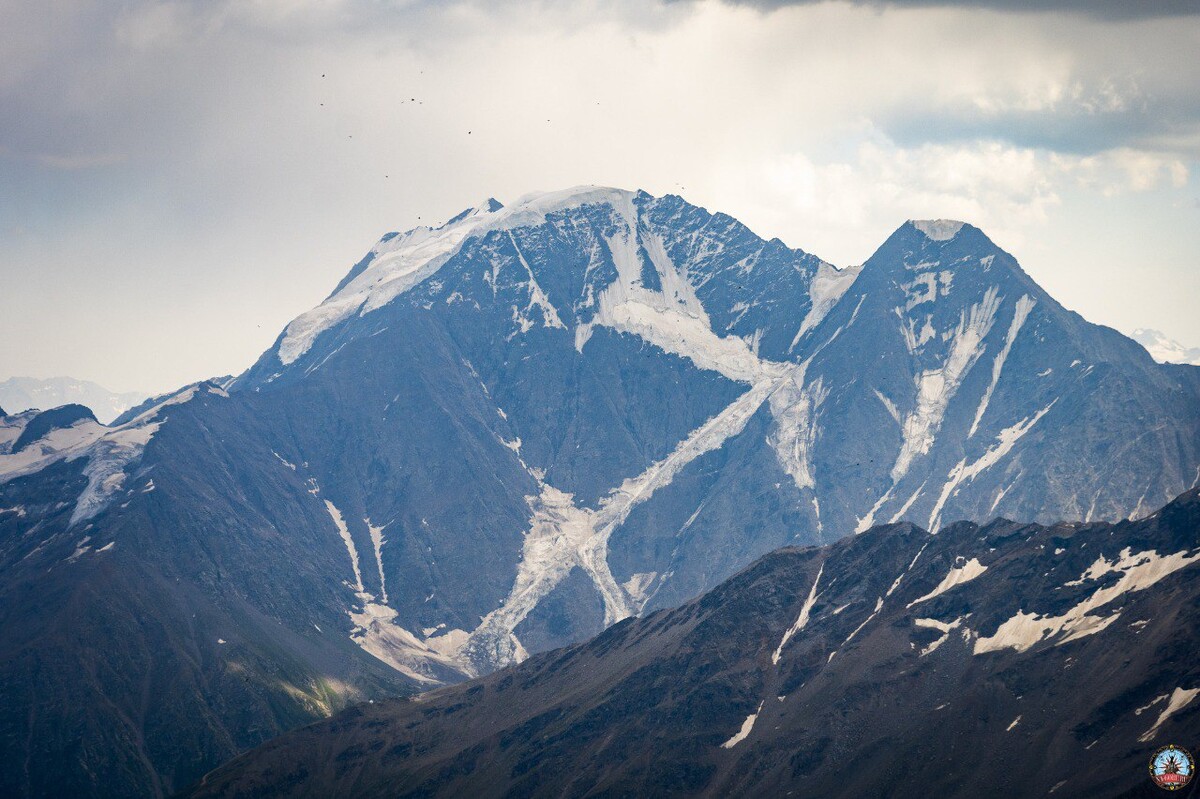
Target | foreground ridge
(896,650)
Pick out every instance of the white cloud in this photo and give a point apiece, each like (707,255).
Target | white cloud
(1011,192)
(235,177)
(1142,171)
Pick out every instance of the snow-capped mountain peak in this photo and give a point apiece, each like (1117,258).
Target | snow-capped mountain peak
(398,263)
(23,393)
(938,229)
(1164,349)
(33,441)
(395,265)
(490,205)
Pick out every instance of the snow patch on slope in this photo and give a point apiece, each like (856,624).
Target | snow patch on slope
(827,287)
(351,550)
(892,410)
(672,319)
(109,451)
(858,629)
(896,583)
(801,620)
(1180,698)
(63,443)
(376,629)
(111,455)
(937,229)
(559,534)
(107,460)
(909,503)
(747,726)
(377,542)
(1139,572)
(377,632)
(1024,306)
(562,535)
(404,261)
(795,406)
(680,334)
(537,297)
(936,387)
(943,627)
(11,427)
(955,577)
(868,521)
(964,472)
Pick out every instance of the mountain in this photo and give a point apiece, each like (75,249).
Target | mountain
(1166,350)
(23,393)
(163,617)
(998,660)
(501,436)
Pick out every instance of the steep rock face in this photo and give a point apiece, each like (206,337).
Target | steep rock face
(986,397)
(504,434)
(175,610)
(677,396)
(607,342)
(884,664)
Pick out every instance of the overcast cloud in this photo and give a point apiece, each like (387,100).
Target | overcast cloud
(1100,9)
(183,178)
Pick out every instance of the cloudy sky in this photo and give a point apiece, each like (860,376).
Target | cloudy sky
(181,178)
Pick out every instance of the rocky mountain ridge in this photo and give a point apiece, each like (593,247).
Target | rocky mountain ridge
(505,434)
(997,660)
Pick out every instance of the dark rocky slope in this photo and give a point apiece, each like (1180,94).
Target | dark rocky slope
(910,674)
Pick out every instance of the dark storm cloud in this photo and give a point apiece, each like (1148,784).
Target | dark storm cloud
(1099,9)
(1169,127)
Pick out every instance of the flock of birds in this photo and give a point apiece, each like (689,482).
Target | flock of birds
(469,132)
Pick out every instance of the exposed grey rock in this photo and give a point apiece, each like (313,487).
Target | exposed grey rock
(996,660)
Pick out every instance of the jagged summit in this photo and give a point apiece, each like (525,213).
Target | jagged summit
(626,229)
(54,419)
(531,207)
(490,205)
(948,247)
(400,262)
(938,229)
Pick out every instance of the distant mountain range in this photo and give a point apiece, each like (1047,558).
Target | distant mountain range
(505,434)
(22,393)
(998,660)
(1166,350)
